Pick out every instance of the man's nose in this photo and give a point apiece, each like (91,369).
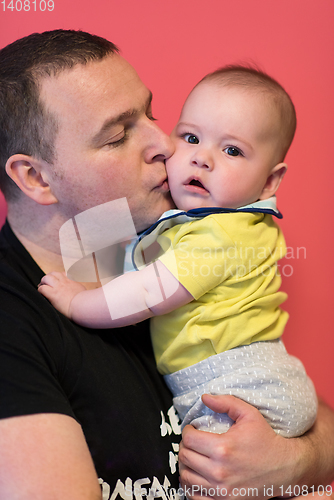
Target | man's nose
(159,145)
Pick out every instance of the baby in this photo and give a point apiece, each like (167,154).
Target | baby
(212,287)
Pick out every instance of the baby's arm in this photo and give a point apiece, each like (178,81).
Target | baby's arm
(128,299)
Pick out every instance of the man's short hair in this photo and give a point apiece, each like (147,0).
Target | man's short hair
(249,77)
(26,127)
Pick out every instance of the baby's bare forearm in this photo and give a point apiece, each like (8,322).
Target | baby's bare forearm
(88,308)
(128,299)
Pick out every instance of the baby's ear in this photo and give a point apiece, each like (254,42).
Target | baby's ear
(273,181)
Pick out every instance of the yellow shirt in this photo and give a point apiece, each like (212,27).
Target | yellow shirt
(228,262)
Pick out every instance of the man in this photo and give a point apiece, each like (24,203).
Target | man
(83,410)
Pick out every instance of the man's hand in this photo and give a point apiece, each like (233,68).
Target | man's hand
(249,461)
(60,291)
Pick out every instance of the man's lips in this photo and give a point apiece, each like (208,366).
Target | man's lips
(163,186)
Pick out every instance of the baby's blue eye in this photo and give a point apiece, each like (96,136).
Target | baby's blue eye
(232,151)
(192,139)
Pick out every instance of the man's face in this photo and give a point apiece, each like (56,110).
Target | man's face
(226,146)
(107,146)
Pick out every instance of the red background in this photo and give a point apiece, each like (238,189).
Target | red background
(172,44)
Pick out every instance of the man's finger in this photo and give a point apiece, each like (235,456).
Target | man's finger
(234,407)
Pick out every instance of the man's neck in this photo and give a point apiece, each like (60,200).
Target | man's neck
(46,259)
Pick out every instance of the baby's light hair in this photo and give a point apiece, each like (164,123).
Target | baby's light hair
(250,77)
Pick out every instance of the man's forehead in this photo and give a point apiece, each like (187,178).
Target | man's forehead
(111,71)
(109,82)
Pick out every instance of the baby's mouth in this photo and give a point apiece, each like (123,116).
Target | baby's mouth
(195,182)
(195,186)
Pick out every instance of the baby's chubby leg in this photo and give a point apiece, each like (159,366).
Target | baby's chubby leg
(60,291)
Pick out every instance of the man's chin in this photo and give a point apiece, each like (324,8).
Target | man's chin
(165,203)
(169,201)
(153,215)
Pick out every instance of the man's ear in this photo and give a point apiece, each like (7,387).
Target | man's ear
(273,181)
(31,176)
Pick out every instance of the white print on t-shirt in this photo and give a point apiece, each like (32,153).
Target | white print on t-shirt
(142,489)
(145,489)
(165,429)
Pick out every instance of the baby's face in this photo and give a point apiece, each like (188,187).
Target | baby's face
(226,146)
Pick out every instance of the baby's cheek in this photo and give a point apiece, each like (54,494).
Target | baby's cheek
(171,168)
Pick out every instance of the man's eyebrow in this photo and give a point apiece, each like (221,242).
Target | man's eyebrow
(115,120)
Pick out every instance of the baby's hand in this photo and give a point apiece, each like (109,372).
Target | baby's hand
(60,290)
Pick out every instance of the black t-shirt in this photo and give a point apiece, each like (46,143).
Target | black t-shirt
(105,379)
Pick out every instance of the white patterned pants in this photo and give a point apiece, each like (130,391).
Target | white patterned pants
(262,374)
